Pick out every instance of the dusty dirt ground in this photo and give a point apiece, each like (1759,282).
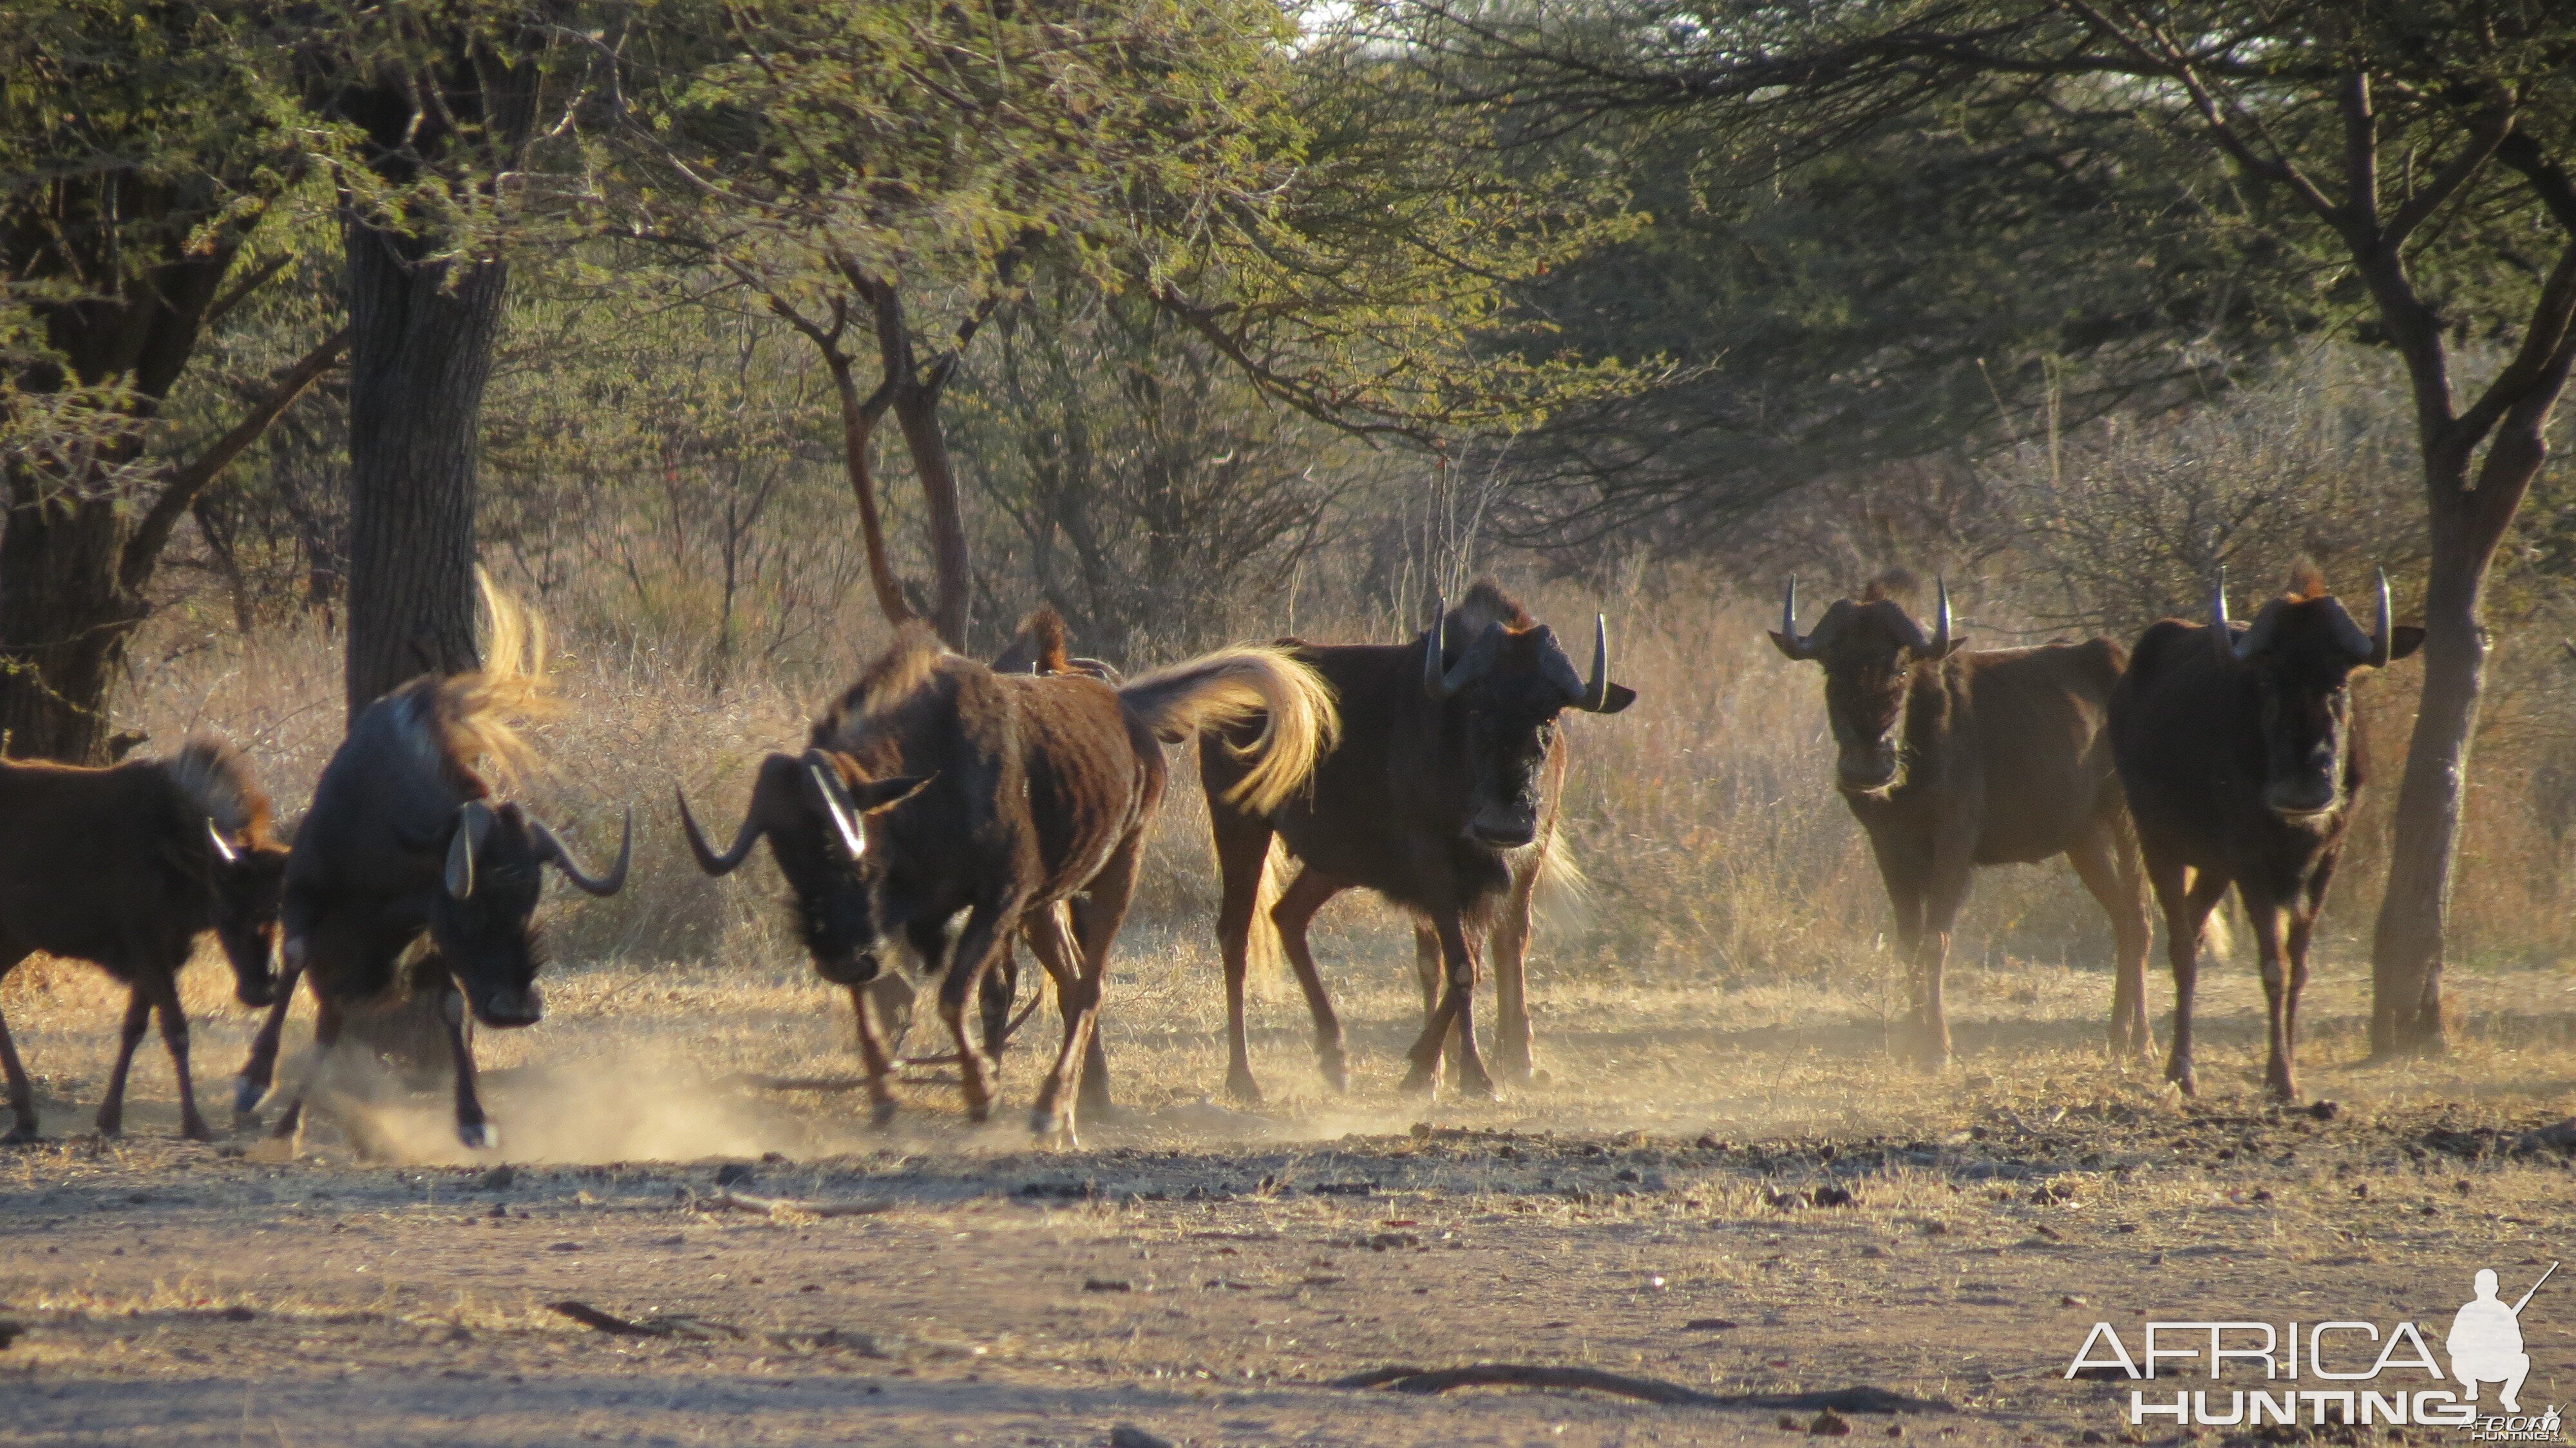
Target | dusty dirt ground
(1205,1274)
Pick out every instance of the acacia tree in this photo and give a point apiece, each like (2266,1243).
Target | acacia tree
(2408,156)
(884,176)
(140,148)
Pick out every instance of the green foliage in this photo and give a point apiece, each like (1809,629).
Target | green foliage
(139,145)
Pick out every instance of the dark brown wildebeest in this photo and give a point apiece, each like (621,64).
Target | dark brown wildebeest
(1441,797)
(1951,760)
(2242,757)
(1042,645)
(404,839)
(936,787)
(125,867)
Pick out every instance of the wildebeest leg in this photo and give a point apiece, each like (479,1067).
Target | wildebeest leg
(1508,947)
(22,1091)
(987,931)
(327,1020)
(1097,914)
(994,994)
(2186,913)
(874,1058)
(260,1069)
(2278,1077)
(1456,1003)
(1943,894)
(1052,943)
(472,1127)
(1901,869)
(1426,970)
(1295,911)
(138,1018)
(2096,858)
(164,993)
(1242,854)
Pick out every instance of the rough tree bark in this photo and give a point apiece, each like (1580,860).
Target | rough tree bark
(423,321)
(422,352)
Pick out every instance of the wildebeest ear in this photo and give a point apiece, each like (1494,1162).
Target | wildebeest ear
(2404,639)
(1620,696)
(885,794)
(1957,642)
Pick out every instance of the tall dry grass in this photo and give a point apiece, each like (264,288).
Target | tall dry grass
(1717,850)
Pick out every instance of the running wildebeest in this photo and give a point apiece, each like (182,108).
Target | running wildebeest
(936,787)
(125,867)
(2242,757)
(405,839)
(1441,796)
(1953,759)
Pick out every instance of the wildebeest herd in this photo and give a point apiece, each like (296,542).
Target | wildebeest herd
(942,811)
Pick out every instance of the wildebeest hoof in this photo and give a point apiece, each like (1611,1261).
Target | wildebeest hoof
(1417,1082)
(1243,1091)
(1054,1128)
(2183,1078)
(246,1095)
(479,1135)
(194,1129)
(881,1113)
(20,1135)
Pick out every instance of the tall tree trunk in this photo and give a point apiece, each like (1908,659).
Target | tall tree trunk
(916,411)
(65,623)
(421,353)
(858,429)
(2414,914)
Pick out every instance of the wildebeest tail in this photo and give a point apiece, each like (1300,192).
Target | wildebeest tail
(1561,896)
(480,711)
(1230,686)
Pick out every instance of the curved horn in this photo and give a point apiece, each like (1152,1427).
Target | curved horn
(2384,632)
(2221,628)
(1432,679)
(225,852)
(1596,690)
(555,852)
(473,825)
(836,802)
(1789,621)
(709,860)
(1941,627)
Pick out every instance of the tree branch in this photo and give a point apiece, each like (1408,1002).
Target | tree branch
(143,550)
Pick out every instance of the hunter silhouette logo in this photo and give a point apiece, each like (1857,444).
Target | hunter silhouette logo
(2341,1372)
(2486,1342)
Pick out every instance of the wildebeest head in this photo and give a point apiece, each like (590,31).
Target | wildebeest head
(1869,647)
(248,873)
(483,919)
(1500,684)
(243,866)
(814,809)
(2301,650)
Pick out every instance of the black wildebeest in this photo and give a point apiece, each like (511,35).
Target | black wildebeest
(404,839)
(1441,797)
(2242,758)
(125,867)
(1952,759)
(936,787)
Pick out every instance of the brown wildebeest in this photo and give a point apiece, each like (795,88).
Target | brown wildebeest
(936,787)
(1951,760)
(1042,645)
(1441,796)
(125,867)
(2242,757)
(404,839)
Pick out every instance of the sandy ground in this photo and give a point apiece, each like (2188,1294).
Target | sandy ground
(1205,1274)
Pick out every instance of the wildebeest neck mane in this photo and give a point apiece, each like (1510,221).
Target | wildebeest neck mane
(899,676)
(217,778)
(468,723)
